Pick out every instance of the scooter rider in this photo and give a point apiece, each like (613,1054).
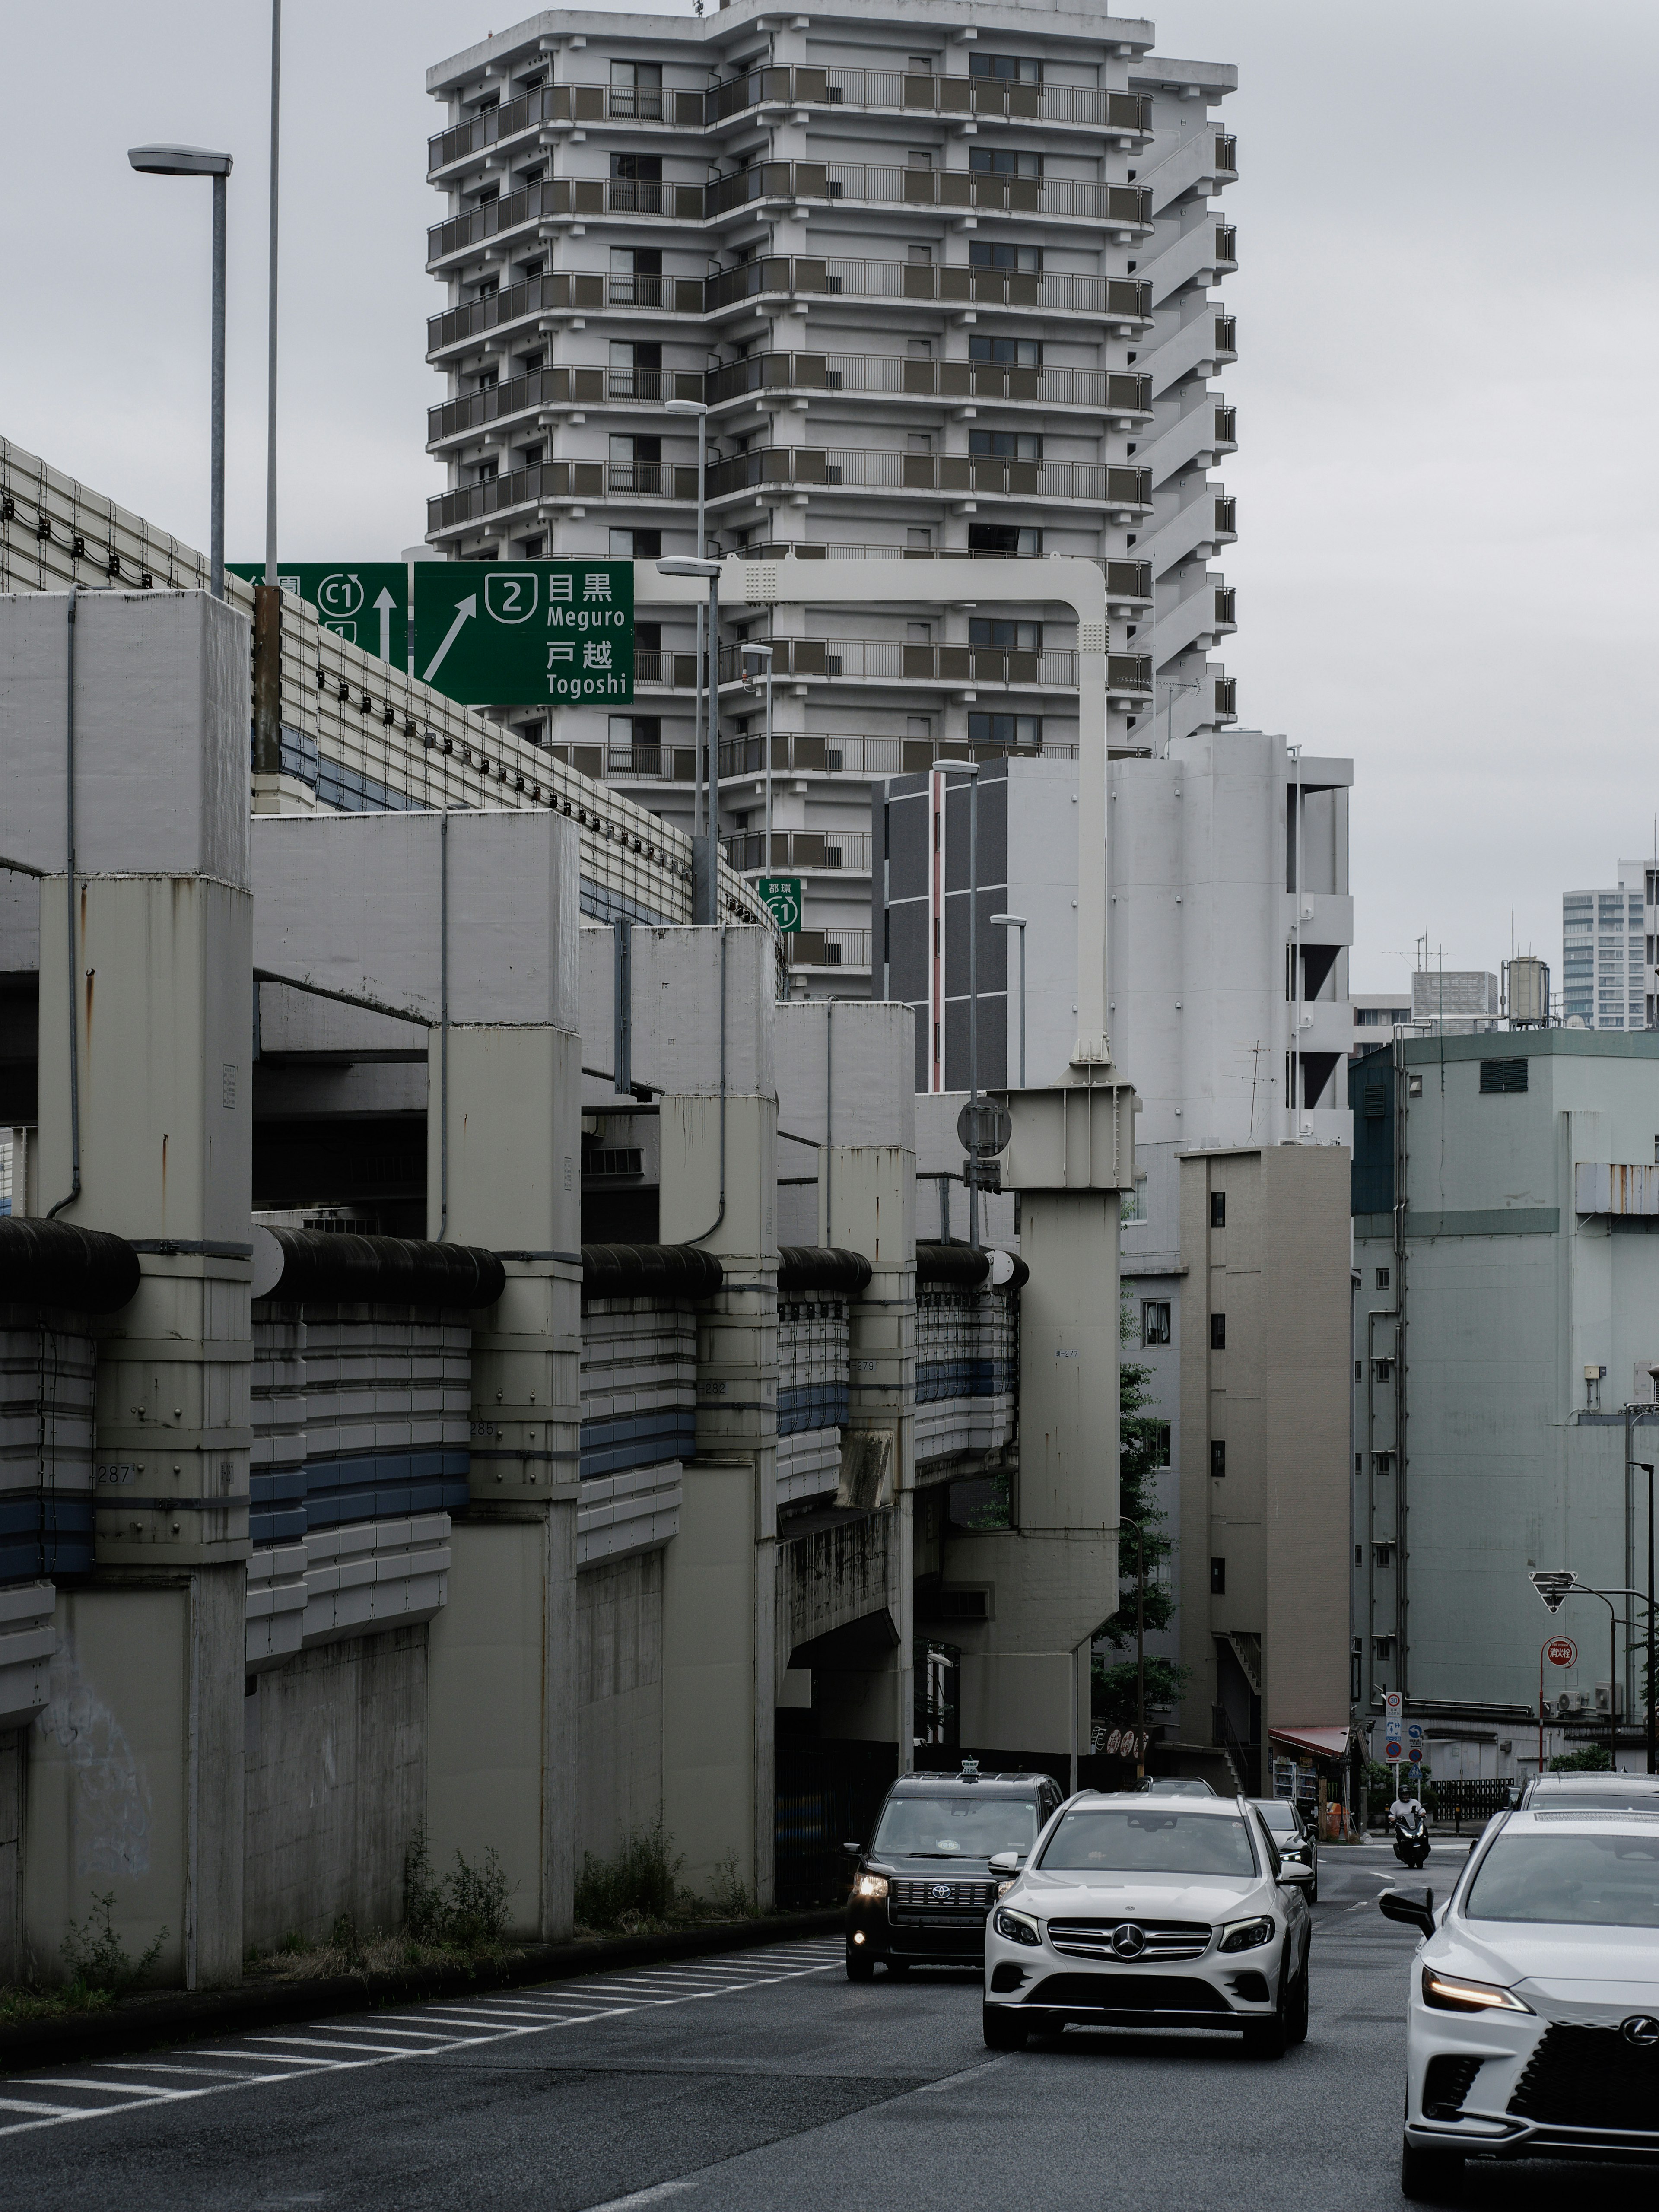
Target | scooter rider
(1411,1831)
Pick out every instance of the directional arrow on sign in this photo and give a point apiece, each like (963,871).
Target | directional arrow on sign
(385,606)
(464,611)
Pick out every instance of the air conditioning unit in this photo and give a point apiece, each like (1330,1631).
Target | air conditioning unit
(1564,1706)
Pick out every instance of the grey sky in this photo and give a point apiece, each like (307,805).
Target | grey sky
(1448,326)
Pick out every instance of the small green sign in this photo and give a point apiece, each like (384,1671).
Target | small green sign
(527,632)
(366,602)
(781,895)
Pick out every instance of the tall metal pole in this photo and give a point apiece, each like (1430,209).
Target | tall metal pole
(216,453)
(973,1008)
(710,747)
(1653,1681)
(768,763)
(271,335)
(1021,1005)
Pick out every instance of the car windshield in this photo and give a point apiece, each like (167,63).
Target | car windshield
(1607,1881)
(1152,1838)
(1277,1814)
(965,1827)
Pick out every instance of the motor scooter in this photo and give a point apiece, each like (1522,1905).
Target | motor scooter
(1411,1836)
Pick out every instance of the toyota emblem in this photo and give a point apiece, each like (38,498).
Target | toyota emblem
(941,1893)
(1642,2029)
(1128,1941)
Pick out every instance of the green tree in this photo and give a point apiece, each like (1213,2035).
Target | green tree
(1140,1455)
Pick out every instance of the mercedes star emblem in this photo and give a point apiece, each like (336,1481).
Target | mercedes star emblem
(1128,1941)
(1642,2029)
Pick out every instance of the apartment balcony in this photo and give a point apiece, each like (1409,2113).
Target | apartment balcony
(866,759)
(837,951)
(892,662)
(1226,520)
(890,376)
(561,290)
(556,105)
(1115,299)
(1226,247)
(1226,338)
(838,852)
(1076,106)
(1226,429)
(1226,609)
(452,420)
(880,184)
(1092,484)
(557,198)
(1126,582)
(1226,154)
(579,482)
(1227,698)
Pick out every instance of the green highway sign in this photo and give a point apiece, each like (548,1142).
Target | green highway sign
(527,632)
(781,894)
(366,602)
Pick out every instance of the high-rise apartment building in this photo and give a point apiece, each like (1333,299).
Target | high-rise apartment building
(1608,949)
(943,281)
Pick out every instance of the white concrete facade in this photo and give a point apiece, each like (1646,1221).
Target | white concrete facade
(945,290)
(1608,949)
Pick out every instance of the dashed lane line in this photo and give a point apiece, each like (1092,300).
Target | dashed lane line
(312,2054)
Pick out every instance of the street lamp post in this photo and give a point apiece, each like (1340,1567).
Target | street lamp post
(1140,1643)
(198,161)
(270,319)
(706,864)
(763,653)
(970,769)
(1016,921)
(706,745)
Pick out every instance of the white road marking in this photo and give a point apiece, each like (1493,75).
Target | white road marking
(967,2074)
(500,2024)
(644,2196)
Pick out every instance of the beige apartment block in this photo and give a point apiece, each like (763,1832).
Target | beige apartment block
(1264,1450)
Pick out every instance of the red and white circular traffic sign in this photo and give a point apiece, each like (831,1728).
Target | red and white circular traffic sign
(1561,1651)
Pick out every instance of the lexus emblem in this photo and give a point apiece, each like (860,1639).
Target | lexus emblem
(941,1893)
(1128,1941)
(1642,2029)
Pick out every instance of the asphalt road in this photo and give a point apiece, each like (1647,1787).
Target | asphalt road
(758,2080)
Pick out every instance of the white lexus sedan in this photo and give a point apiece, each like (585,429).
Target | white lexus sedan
(1150,1912)
(1533,2027)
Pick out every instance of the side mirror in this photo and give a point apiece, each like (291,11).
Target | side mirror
(1006,1861)
(1295,1873)
(853,1850)
(1415,1908)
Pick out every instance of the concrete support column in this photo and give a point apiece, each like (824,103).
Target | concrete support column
(146,1028)
(710,993)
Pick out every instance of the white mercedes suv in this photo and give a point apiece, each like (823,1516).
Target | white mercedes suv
(1533,2023)
(1146,1912)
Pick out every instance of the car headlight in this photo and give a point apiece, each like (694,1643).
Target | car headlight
(872,1885)
(1248,1934)
(1016,1927)
(1451,1993)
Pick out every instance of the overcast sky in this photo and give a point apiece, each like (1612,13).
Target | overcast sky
(1447,338)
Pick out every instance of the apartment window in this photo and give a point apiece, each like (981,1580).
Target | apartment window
(996,161)
(1011,637)
(1382,1462)
(1382,1647)
(1502,1075)
(919,349)
(918,633)
(1006,353)
(1006,444)
(533,733)
(1155,1321)
(990,254)
(1218,1457)
(1161,1443)
(919,256)
(637,168)
(918,540)
(1007,69)
(1384,1554)
(1382,1369)
(1358,1554)
(533,549)
(636,545)
(918,157)
(1133,1206)
(1010,730)
(1217,1578)
(1005,538)
(487,473)
(1359,1371)
(918,441)
(1217,1332)
(1217,1209)
(1383,1272)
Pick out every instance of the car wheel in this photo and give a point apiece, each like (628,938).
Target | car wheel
(1268,2039)
(1313,1886)
(1004,2028)
(861,1966)
(1430,2177)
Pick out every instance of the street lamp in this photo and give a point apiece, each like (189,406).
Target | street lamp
(1016,921)
(198,161)
(706,867)
(763,653)
(970,769)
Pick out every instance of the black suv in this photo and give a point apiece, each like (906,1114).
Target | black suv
(921,1891)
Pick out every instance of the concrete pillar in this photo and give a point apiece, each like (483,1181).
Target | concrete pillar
(1053,1575)
(137,1781)
(703,1016)
(846,1078)
(469,923)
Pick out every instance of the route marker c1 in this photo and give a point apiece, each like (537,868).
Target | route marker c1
(781,895)
(365,602)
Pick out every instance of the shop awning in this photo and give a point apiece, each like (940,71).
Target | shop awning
(1323,1742)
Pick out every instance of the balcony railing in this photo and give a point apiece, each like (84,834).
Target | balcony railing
(1227,602)
(801,755)
(563,195)
(1227,334)
(1226,241)
(652,764)
(828,948)
(1125,579)
(1084,105)
(1226,426)
(1226,517)
(1226,154)
(891,373)
(835,850)
(556,387)
(1226,697)
(1060,293)
(584,480)
(883,660)
(855,469)
(881,183)
(561,288)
